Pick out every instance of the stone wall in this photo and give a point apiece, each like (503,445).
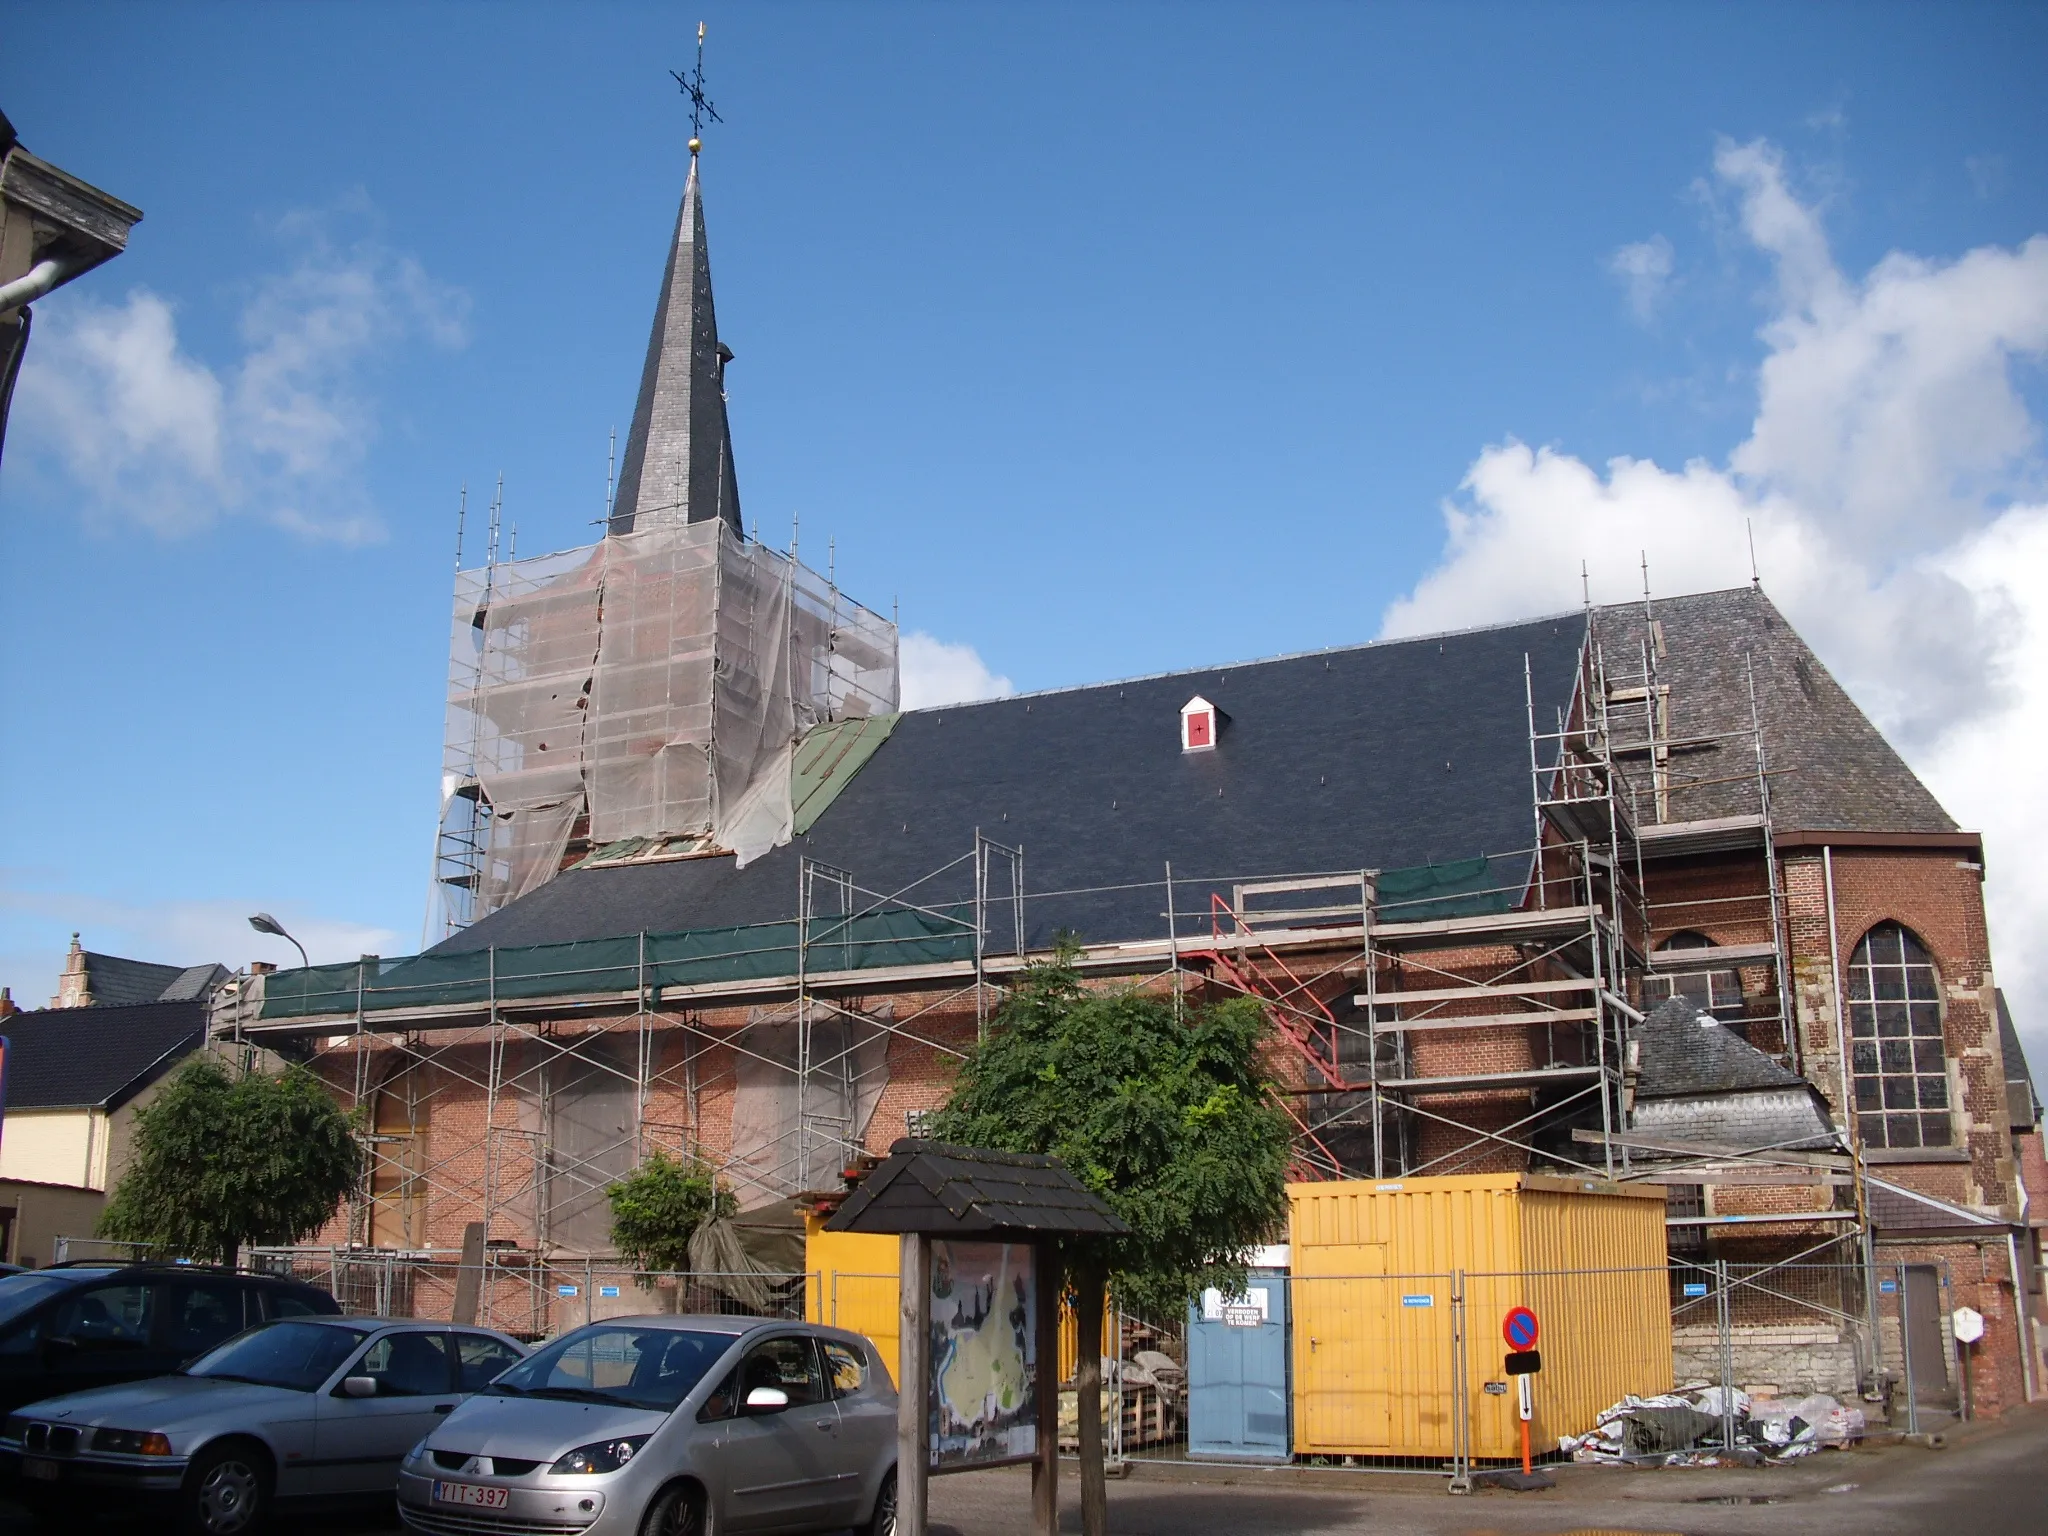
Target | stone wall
(1782,1360)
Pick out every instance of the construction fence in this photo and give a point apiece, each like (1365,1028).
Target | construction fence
(1749,1363)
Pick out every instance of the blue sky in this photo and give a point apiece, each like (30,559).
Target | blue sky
(1107,340)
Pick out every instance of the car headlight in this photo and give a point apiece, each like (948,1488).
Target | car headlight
(132,1442)
(605,1456)
(419,1450)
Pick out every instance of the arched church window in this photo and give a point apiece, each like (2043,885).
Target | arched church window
(1716,990)
(1897,1060)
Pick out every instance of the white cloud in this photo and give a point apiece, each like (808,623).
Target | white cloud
(40,923)
(942,672)
(155,436)
(1892,485)
(1644,270)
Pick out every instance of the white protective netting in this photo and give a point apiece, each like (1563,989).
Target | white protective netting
(649,686)
(651,695)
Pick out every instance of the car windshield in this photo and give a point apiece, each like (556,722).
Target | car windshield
(635,1367)
(20,1292)
(298,1356)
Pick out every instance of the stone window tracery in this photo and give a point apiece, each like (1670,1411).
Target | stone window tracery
(1898,1061)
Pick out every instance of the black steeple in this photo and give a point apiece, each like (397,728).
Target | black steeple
(678,463)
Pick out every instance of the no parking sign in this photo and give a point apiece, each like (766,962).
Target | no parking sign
(1520,1328)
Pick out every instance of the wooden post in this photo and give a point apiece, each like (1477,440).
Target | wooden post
(1089,1282)
(469,1274)
(913,1384)
(1045,1471)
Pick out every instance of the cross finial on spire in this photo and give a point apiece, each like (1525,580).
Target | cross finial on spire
(700,104)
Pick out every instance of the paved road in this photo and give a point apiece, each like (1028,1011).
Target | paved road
(1990,1482)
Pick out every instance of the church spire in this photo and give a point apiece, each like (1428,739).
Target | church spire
(678,462)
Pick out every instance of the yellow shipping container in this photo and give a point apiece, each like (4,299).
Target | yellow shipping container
(853,1284)
(1373,1279)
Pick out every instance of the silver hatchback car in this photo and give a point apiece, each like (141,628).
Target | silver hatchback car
(667,1426)
(296,1409)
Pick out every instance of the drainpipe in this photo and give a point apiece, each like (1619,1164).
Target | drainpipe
(2019,1312)
(1827,864)
(1848,1111)
(49,273)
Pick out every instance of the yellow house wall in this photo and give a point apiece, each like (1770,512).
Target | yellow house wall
(55,1146)
(42,1214)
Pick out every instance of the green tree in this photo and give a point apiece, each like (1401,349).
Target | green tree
(657,1206)
(223,1160)
(1166,1113)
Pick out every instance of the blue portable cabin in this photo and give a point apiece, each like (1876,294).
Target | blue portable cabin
(1239,1400)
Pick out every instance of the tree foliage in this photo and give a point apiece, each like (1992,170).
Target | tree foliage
(1169,1119)
(1165,1113)
(222,1160)
(657,1206)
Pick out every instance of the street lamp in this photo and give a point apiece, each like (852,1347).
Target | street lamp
(263,922)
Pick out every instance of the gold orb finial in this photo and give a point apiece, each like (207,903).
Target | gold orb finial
(695,145)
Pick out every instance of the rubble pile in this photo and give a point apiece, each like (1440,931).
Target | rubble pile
(1683,1429)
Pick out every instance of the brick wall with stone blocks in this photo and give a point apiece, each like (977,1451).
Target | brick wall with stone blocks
(1938,895)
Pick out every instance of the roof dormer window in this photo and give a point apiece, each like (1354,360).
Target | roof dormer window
(1198,724)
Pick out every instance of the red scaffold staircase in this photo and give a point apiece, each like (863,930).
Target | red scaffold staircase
(1302,1023)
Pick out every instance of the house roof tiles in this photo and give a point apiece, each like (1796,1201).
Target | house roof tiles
(65,1058)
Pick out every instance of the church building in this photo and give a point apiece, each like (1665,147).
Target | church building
(1631,893)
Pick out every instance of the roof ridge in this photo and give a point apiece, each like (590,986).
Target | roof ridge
(1386,643)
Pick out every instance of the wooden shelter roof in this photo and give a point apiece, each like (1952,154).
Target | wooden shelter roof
(947,1191)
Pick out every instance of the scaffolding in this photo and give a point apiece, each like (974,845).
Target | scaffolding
(1452,1018)
(650,686)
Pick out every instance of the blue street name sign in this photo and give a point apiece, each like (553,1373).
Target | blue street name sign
(565,1290)
(607,1290)
(1695,1287)
(1418,1301)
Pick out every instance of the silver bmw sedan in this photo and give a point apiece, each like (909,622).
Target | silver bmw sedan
(297,1409)
(667,1426)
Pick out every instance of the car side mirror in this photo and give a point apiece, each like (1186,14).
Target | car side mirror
(767,1400)
(358,1386)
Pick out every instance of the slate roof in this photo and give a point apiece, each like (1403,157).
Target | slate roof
(1383,756)
(1831,769)
(64,1058)
(678,461)
(1685,1052)
(2021,1101)
(928,1186)
(113,981)
(1896,1208)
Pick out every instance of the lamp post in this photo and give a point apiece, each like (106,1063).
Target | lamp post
(263,922)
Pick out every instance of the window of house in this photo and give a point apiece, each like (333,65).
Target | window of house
(1711,991)
(1896,1055)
